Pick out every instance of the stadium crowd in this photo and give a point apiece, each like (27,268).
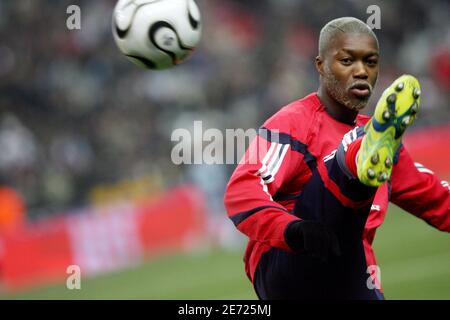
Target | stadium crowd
(74,113)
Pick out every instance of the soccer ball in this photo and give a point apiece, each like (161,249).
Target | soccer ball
(156,34)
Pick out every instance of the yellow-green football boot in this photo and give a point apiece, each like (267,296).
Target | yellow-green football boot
(395,112)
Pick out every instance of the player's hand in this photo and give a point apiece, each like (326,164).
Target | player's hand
(314,238)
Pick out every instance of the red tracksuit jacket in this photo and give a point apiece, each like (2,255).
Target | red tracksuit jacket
(260,195)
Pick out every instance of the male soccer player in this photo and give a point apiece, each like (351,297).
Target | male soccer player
(311,201)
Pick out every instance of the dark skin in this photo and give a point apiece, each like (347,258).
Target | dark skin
(348,72)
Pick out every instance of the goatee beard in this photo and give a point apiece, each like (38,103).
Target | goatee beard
(341,95)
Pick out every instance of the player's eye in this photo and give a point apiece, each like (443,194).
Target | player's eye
(346,61)
(372,62)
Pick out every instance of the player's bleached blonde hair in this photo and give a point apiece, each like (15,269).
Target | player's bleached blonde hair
(339,26)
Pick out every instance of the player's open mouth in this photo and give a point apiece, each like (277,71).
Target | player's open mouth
(361,90)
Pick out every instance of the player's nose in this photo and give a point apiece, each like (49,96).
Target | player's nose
(359,70)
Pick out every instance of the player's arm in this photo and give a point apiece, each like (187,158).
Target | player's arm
(418,190)
(267,165)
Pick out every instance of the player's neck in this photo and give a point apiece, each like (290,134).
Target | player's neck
(336,110)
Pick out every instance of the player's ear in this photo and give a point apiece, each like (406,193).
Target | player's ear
(319,65)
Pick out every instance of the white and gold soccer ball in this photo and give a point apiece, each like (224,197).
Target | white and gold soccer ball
(157,34)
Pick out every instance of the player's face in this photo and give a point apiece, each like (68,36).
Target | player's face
(350,70)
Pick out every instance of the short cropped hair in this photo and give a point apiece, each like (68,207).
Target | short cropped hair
(339,26)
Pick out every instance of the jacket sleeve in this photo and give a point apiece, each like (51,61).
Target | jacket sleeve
(417,190)
(268,164)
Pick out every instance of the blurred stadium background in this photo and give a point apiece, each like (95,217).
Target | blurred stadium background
(85,146)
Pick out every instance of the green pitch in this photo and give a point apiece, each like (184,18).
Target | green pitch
(413,257)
